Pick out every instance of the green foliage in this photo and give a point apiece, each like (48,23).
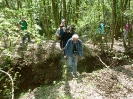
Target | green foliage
(119,86)
(120,56)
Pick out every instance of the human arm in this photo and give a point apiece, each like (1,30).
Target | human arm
(57,34)
(19,25)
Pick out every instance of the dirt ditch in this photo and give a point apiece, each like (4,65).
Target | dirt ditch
(41,64)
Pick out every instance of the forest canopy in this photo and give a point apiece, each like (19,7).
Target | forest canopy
(48,13)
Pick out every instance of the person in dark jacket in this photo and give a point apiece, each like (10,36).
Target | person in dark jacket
(65,37)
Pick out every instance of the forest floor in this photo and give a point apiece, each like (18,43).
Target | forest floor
(107,83)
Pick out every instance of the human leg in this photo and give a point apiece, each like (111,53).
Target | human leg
(28,36)
(69,65)
(126,36)
(23,39)
(75,62)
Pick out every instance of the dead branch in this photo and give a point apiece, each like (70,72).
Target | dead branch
(11,82)
(102,61)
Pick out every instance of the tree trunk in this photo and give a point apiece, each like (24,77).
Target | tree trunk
(60,12)
(116,25)
(7,4)
(117,22)
(124,43)
(69,11)
(117,29)
(77,11)
(103,12)
(19,4)
(64,9)
(125,3)
(73,15)
(113,21)
(55,13)
(98,10)
(46,18)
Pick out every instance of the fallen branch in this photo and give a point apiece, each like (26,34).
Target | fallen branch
(11,82)
(102,61)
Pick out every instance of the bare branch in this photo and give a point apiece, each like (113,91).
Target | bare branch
(11,82)
(102,61)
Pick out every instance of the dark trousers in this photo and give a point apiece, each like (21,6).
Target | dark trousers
(24,37)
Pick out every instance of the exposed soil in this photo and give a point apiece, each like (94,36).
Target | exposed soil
(108,83)
(42,65)
(115,83)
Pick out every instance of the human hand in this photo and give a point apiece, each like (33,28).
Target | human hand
(62,48)
(79,58)
(66,56)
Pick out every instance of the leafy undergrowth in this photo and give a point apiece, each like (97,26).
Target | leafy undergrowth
(108,83)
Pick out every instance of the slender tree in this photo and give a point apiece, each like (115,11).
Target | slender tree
(77,10)
(19,4)
(69,12)
(64,9)
(7,4)
(113,21)
(55,12)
